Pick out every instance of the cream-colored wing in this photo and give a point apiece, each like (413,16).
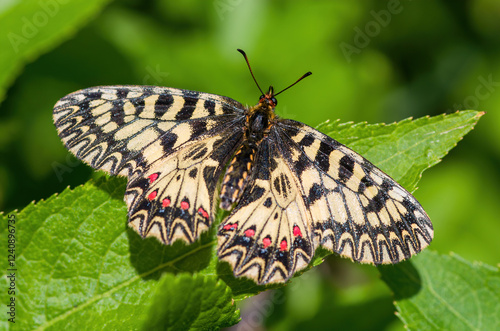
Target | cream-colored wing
(268,236)
(171,143)
(358,211)
(119,128)
(175,198)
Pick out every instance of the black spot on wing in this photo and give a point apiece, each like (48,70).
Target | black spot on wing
(210,107)
(277,185)
(387,185)
(315,192)
(198,128)
(285,184)
(346,168)
(322,158)
(163,104)
(255,194)
(268,203)
(307,140)
(168,141)
(378,201)
(187,109)
(365,182)
(193,172)
(117,113)
(301,164)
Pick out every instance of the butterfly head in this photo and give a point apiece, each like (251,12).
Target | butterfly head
(268,99)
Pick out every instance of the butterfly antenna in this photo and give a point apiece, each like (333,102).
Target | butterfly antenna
(298,80)
(250,68)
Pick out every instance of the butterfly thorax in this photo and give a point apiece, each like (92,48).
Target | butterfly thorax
(259,120)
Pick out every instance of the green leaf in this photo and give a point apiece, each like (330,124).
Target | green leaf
(186,302)
(33,27)
(82,266)
(439,292)
(405,149)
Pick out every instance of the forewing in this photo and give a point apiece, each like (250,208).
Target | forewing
(358,211)
(171,143)
(120,128)
(268,235)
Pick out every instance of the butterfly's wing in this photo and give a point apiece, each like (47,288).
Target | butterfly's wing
(268,236)
(171,143)
(175,198)
(357,210)
(309,190)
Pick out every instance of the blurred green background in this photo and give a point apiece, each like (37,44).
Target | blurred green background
(372,61)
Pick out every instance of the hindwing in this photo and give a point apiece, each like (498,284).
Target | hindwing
(268,236)
(171,143)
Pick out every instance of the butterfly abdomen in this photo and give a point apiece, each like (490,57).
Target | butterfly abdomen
(258,122)
(237,175)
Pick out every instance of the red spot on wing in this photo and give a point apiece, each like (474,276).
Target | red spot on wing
(203,212)
(152,195)
(153,177)
(296,231)
(266,241)
(283,245)
(250,233)
(185,205)
(165,203)
(230,226)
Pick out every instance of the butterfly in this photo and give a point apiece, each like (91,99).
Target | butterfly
(290,188)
